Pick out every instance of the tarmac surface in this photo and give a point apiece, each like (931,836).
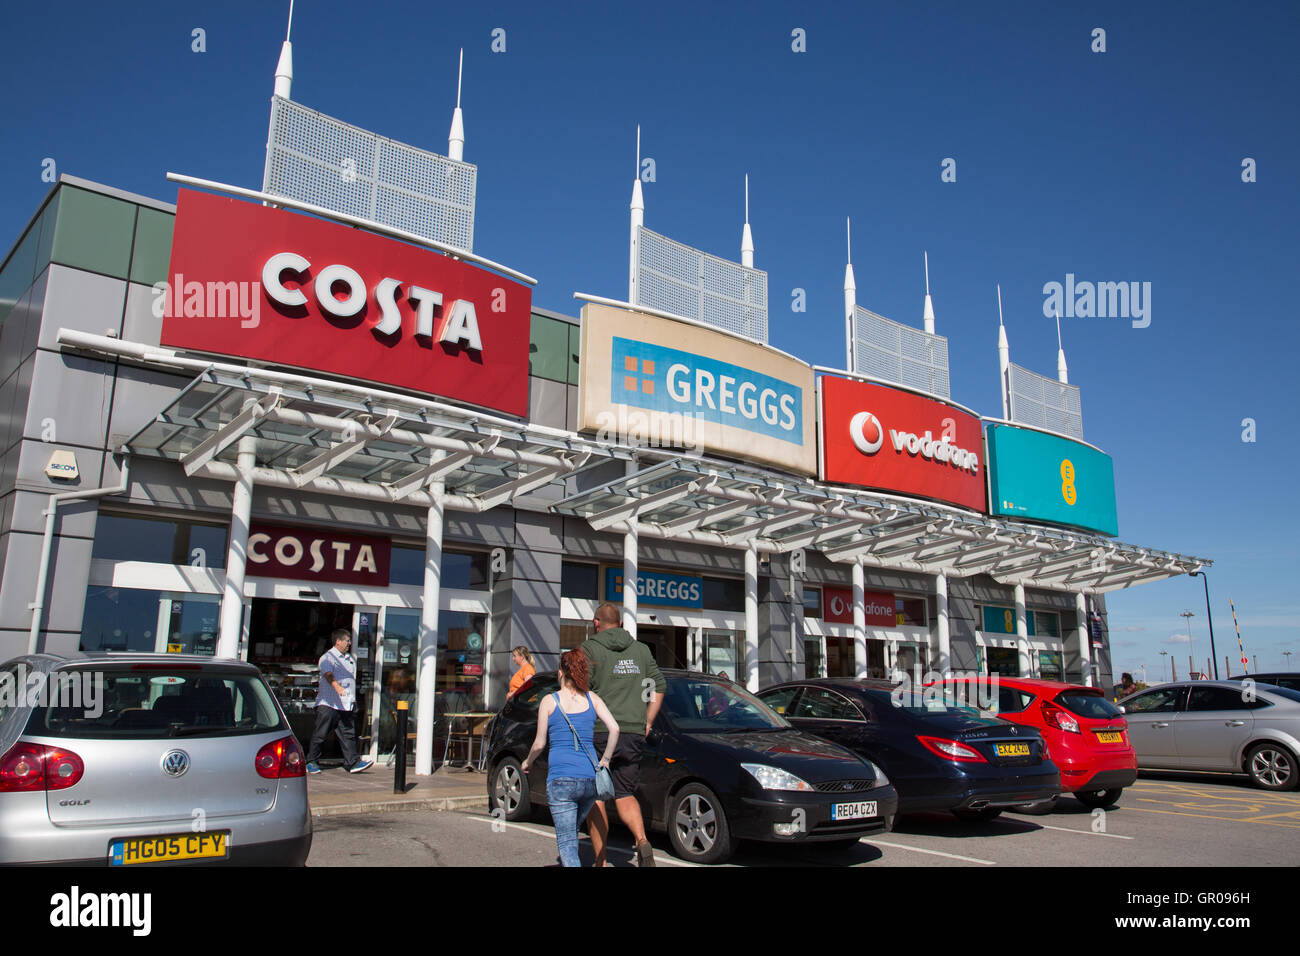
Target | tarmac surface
(334,791)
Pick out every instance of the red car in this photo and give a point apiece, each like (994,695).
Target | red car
(1086,734)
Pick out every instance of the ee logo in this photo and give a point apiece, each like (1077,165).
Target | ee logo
(1009,620)
(1068,491)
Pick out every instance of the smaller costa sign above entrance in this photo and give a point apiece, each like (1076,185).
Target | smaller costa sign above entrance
(894,440)
(286,288)
(315,554)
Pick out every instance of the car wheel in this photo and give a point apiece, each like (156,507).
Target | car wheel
(1099,799)
(978,816)
(697,826)
(509,790)
(1272,767)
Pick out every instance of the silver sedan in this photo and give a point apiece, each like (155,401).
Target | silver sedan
(1233,726)
(121,760)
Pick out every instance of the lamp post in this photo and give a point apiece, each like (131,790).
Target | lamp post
(1287,655)
(1191,658)
(1163,655)
(1209,617)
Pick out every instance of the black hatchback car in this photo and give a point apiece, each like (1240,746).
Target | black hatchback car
(719,766)
(939,754)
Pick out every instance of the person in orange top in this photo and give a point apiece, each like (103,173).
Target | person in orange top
(527,668)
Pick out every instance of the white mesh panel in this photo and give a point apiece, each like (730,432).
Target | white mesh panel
(1045,403)
(675,278)
(899,353)
(315,158)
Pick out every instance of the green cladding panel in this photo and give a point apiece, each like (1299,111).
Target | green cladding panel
(152,250)
(94,232)
(548,349)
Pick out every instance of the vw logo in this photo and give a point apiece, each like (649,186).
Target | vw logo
(867,435)
(175,763)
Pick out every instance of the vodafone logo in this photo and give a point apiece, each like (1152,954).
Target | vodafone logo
(839,607)
(867,435)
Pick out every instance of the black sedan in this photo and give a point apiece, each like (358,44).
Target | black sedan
(940,754)
(719,766)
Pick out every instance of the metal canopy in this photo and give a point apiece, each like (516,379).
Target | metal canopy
(700,501)
(343,439)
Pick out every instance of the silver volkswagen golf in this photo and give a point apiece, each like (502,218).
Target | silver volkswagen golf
(122,760)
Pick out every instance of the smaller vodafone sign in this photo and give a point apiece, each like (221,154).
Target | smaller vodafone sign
(837,607)
(898,441)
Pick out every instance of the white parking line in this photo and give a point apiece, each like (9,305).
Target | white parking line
(550,834)
(917,849)
(1113,836)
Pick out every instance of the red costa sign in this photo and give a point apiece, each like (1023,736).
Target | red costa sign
(886,438)
(318,554)
(837,607)
(282,287)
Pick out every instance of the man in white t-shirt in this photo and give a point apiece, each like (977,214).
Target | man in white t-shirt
(336,701)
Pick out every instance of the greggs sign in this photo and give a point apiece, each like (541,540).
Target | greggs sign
(277,286)
(897,441)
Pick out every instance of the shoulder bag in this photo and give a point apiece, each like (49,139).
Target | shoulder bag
(604,782)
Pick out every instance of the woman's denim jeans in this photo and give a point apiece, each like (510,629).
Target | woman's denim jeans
(571,799)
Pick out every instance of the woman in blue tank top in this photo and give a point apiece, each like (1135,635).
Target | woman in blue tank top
(571,775)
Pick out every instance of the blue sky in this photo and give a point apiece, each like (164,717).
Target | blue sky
(1117,166)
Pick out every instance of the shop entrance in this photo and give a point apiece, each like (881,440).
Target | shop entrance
(286,640)
(840,660)
(667,644)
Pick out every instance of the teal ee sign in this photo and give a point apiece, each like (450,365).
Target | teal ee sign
(1045,477)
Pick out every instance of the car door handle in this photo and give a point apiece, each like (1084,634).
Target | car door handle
(1161,724)
(1234,723)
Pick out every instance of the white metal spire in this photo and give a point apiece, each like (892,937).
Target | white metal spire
(850,296)
(284,68)
(1062,372)
(747,237)
(456,139)
(1004,360)
(927,312)
(638,220)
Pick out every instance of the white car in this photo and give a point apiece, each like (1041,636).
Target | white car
(141,759)
(1221,726)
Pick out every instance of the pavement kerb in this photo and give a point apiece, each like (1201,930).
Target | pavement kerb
(388,806)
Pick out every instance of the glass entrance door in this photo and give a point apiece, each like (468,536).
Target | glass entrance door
(396,678)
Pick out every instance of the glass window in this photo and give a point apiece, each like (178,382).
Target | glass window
(724,594)
(1164,700)
(722,654)
(1051,665)
(778,698)
(159,540)
(580,581)
(713,706)
(818,703)
(910,611)
(1216,698)
(530,695)
(812,651)
(1088,705)
(463,570)
(1004,661)
(812,602)
(1046,623)
(120,619)
(1012,701)
(460,662)
(573,633)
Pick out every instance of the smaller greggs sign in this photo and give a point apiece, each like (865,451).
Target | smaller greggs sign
(318,554)
(281,287)
(837,607)
(1046,477)
(894,440)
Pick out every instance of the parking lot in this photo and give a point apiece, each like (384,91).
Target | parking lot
(1164,820)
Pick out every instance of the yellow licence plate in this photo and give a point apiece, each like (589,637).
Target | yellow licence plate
(1012,750)
(1113,737)
(164,849)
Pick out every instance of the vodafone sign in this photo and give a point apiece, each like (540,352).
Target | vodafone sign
(897,441)
(277,286)
(838,607)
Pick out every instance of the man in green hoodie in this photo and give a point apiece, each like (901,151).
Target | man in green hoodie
(625,675)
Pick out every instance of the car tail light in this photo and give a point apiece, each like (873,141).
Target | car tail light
(951,749)
(1058,717)
(281,758)
(28,767)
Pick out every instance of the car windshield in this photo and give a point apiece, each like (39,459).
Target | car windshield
(1088,705)
(710,707)
(153,701)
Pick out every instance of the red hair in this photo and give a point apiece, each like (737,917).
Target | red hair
(574,666)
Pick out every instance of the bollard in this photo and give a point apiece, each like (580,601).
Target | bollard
(399,768)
